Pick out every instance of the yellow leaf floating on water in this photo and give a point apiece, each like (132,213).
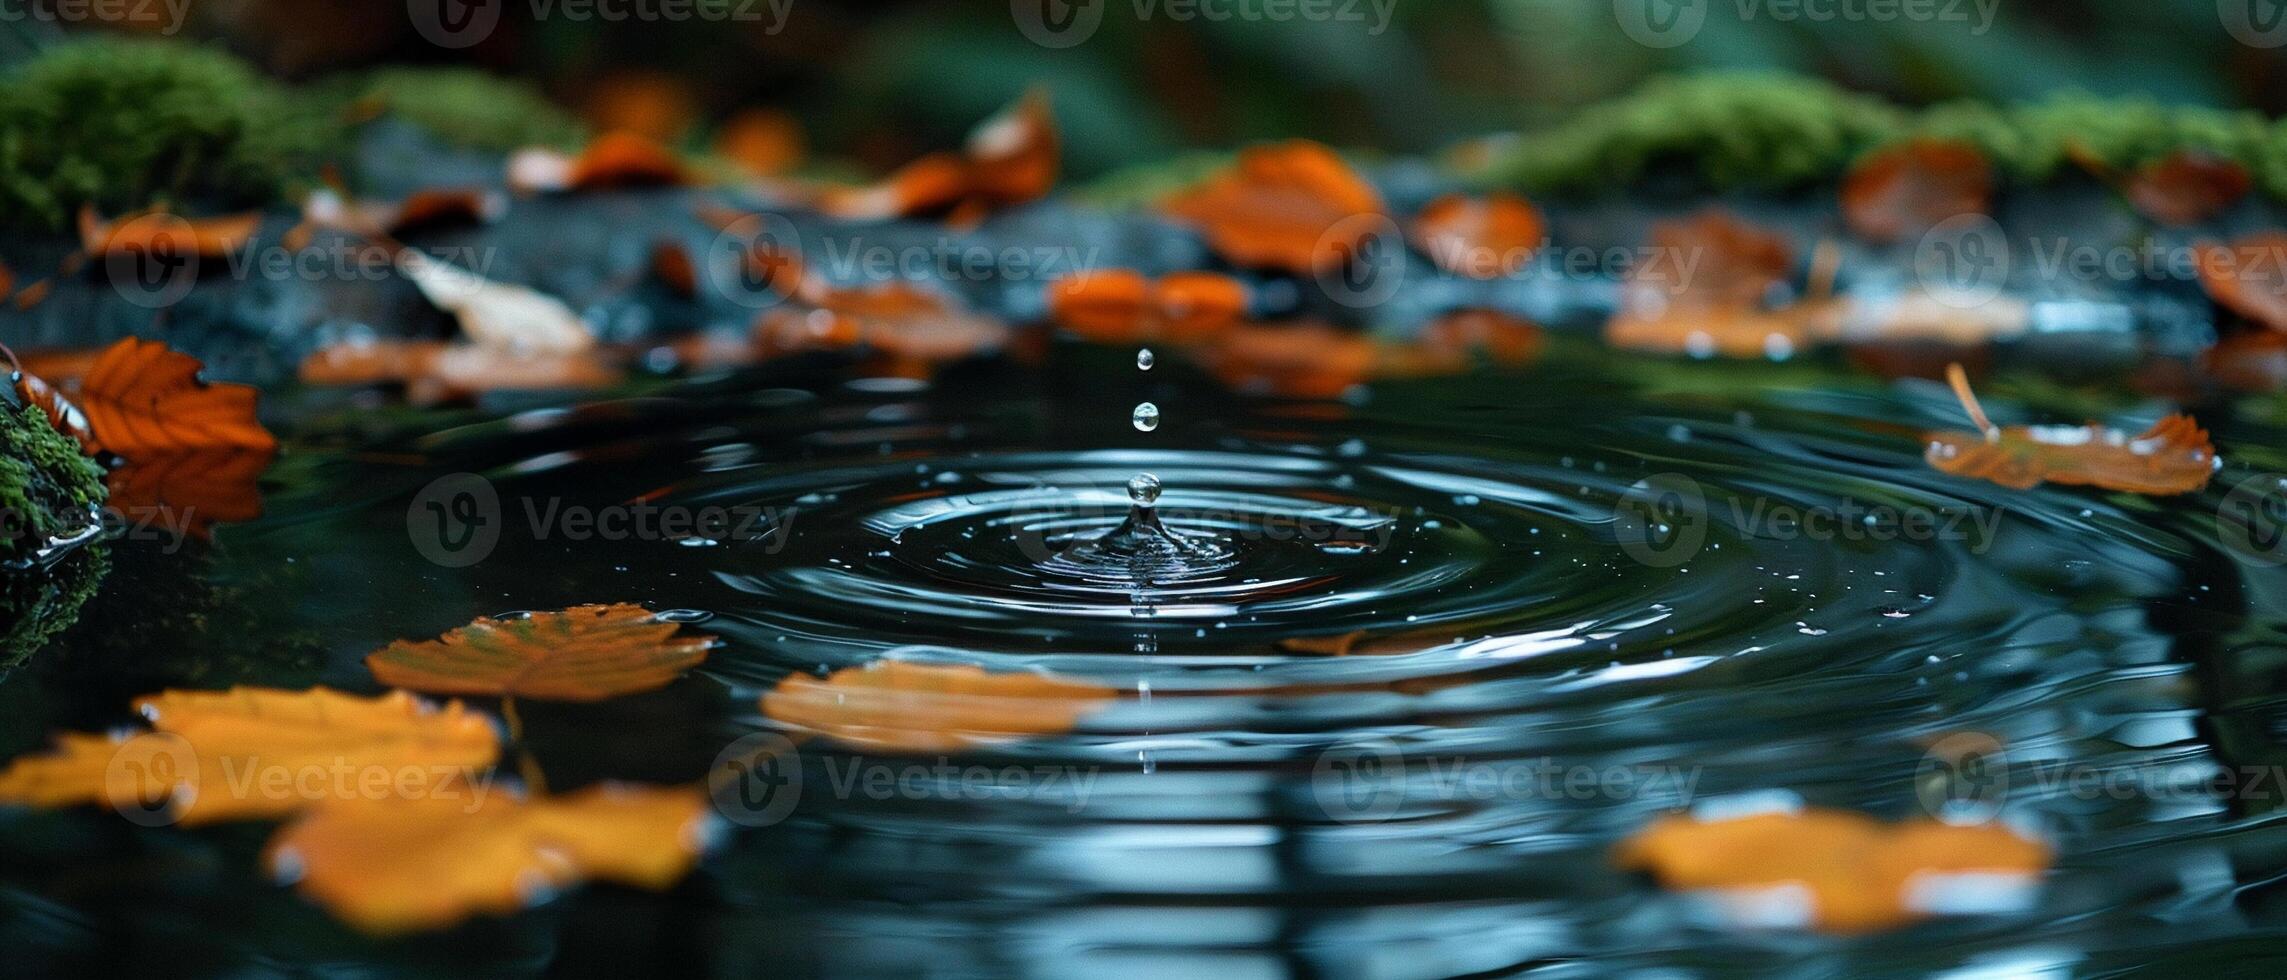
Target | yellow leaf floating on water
(900,705)
(391,866)
(1856,873)
(585,653)
(251,752)
(2173,456)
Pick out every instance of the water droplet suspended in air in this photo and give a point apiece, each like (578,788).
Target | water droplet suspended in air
(1143,488)
(1146,417)
(1143,359)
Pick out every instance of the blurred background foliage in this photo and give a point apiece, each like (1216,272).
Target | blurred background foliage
(877,82)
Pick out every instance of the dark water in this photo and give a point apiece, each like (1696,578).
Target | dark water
(1587,568)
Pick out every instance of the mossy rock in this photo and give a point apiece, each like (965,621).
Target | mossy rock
(47,488)
(122,123)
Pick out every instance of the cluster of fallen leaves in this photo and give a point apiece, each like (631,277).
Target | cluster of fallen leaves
(436,842)
(182,453)
(1830,869)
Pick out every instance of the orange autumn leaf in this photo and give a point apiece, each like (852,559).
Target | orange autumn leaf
(764,142)
(1011,158)
(191,491)
(906,706)
(2249,277)
(1302,360)
(2186,188)
(1122,305)
(143,400)
(1914,186)
(391,866)
(1702,291)
(435,371)
(1479,237)
(2173,456)
(385,220)
(585,653)
(614,159)
(1282,206)
(160,233)
(1857,874)
(215,755)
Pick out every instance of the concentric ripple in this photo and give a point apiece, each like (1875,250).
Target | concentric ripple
(1767,590)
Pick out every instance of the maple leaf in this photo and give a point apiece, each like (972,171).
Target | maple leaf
(1857,873)
(585,653)
(142,400)
(2249,277)
(2186,188)
(190,491)
(907,706)
(396,865)
(1479,237)
(2174,456)
(225,745)
(1915,186)
(1281,206)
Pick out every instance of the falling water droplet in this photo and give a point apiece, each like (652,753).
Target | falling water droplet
(1143,488)
(1143,359)
(1146,417)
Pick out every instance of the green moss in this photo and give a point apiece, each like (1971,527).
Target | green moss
(125,122)
(1770,131)
(471,108)
(47,488)
(1732,129)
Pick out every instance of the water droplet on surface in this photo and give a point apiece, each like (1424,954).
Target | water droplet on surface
(1146,417)
(1144,359)
(1143,488)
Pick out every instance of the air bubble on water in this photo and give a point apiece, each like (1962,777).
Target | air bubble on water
(1143,488)
(1144,359)
(695,541)
(1146,417)
(1352,448)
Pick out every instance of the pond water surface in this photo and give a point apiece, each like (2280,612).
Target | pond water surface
(1428,655)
